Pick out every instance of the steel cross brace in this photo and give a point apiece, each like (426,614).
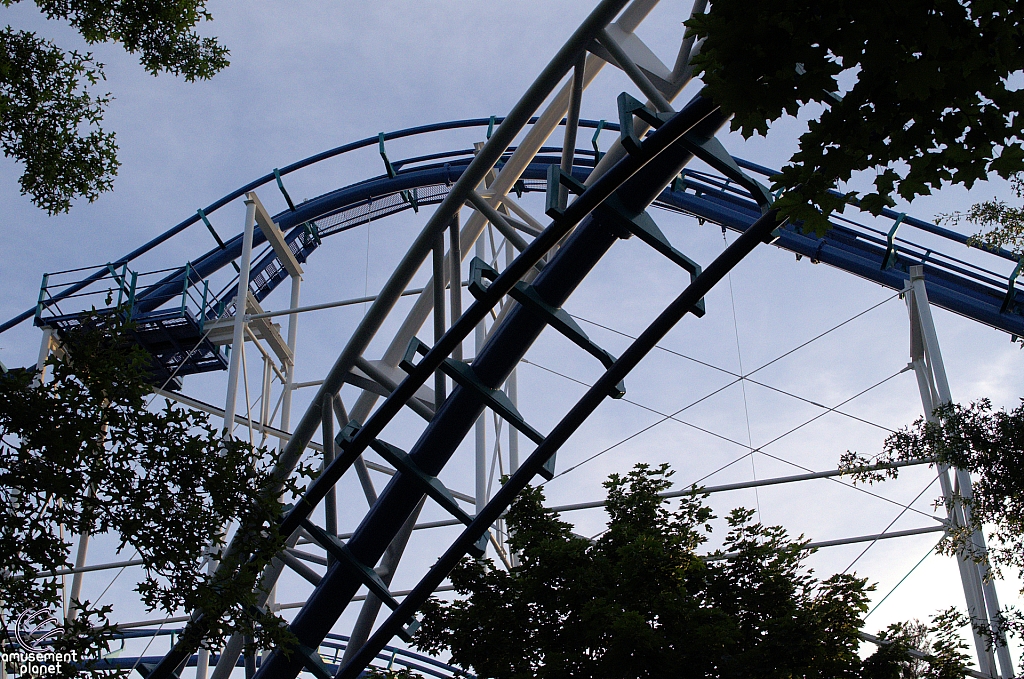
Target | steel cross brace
(682,305)
(367,575)
(520,114)
(697,110)
(580,253)
(557,318)
(463,374)
(401,461)
(629,222)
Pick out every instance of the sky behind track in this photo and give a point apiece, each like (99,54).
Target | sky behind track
(307,76)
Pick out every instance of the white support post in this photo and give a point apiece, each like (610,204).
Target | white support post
(982,601)
(293,331)
(286,398)
(268,375)
(202,663)
(44,353)
(987,583)
(512,387)
(237,338)
(512,391)
(273,607)
(241,298)
(203,659)
(76,580)
(438,278)
(455,276)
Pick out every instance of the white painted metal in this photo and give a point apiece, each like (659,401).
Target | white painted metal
(239,327)
(641,55)
(326,305)
(455,274)
(76,580)
(513,169)
(688,49)
(926,358)
(44,353)
(268,374)
(252,336)
(639,78)
(512,389)
(682,73)
(914,653)
(518,209)
(238,334)
(280,434)
(221,331)
(274,236)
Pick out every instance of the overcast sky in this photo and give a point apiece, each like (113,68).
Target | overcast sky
(308,76)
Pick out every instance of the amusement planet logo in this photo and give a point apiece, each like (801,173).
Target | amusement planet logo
(33,631)
(30,630)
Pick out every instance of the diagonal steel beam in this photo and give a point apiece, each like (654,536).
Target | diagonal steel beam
(514,122)
(636,182)
(683,304)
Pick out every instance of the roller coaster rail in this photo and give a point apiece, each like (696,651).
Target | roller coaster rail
(980,293)
(332,646)
(187,317)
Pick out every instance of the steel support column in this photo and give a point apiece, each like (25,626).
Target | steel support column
(331,501)
(238,336)
(439,325)
(234,366)
(492,365)
(982,602)
(293,333)
(512,390)
(455,264)
(76,580)
(682,305)
(572,121)
(388,565)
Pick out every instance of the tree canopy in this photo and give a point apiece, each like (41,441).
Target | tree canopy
(920,93)
(1002,224)
(989,444)
(639,601)
(51,117)
(84,453)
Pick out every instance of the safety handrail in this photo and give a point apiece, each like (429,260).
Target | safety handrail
(280,172)
(705,182)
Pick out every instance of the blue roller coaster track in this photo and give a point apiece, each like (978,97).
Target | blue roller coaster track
(170,311)
(979,293)
(173,308)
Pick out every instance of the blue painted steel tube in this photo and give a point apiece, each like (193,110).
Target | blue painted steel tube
(218,257)
(948,234)
(256,183)
(854,254)
(959,294)
(489,155)
(647,340)
(445,432)
(841,248)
